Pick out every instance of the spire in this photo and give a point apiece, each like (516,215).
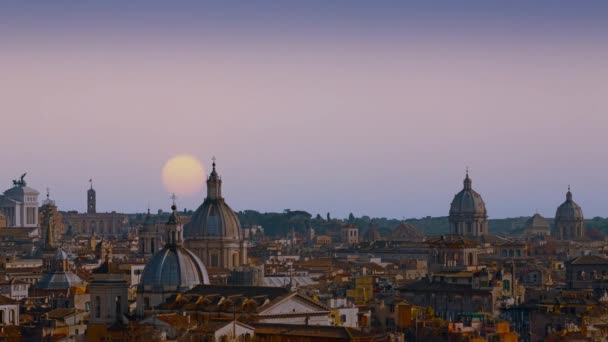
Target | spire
(467,181)
(569,195)
(91,181)
(214,184)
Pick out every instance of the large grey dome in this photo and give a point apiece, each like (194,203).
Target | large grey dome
(569,210)
(468,202)
(214,219)
(174,268)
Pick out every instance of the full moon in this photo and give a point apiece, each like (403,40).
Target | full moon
(183,175)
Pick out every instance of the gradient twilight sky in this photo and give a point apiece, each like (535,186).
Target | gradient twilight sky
(371,107)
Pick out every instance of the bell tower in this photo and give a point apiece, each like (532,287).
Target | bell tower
(91,199)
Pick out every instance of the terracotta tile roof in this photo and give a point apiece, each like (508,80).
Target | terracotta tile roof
(174,320)
(7,301)
(61,313)
(588,260)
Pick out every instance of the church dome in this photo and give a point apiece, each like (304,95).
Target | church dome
(405,231)
(569,210)
(214,219)
(468,202)
(173,268)
(537,221)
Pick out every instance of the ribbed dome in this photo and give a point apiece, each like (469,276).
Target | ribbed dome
(405,231)
(173,268)
(468,202)
(569,210)
(537,221)
(214,219)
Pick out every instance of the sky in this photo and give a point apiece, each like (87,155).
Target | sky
(374,108)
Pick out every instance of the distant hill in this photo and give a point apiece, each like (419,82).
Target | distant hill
(280,224)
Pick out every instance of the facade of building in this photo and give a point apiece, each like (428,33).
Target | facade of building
(349,234)
(468,215)
(100,224)
(214,234)
(172,270)
(569,220)
(14,289)
(9,311)
(20,205)
(587,272)
(150,237)
(452,253)
(109,295)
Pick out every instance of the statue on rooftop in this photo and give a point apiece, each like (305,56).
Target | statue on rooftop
(21,181)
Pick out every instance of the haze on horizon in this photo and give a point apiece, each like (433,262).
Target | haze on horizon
(371,109)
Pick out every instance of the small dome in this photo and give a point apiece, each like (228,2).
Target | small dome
(569,210)
(468,202)
(405,231)
(58,281)
(173,268)
(537,221)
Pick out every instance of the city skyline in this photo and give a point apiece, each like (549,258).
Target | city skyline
(375,110)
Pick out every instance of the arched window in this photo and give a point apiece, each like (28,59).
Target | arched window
(470,259)
(11,316)
(2,317)
(235,260)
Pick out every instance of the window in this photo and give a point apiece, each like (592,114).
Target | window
(2,316)
(31,216)
(118,309)
(97,307)
(214,260)
(11,316)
